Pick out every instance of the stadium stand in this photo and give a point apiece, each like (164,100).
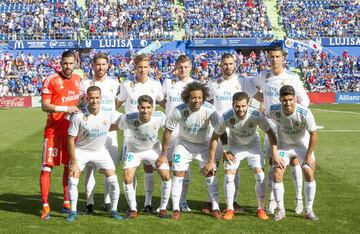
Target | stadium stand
(310,18)
(143,19)
(210,18)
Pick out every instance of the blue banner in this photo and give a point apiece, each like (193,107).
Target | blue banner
(338,41)
(348,97)
(72,44)
(45,44)
(232,42)
(114,43)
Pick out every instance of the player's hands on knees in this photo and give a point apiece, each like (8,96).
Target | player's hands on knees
(73,109)
(209,169)
(310,162)
(161,160)
(74,170)
(278,161)
(229,157)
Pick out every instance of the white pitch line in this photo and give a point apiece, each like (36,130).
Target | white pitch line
(347,112)
(339,130)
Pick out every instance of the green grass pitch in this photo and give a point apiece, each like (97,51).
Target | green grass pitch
(337,199)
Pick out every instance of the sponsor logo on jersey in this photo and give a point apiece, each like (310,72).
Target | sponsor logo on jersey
(268,75)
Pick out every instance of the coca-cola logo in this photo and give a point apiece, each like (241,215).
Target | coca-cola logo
(12,102)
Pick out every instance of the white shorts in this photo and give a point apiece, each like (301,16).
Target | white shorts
(185,152)
(291,151)
(112,146)
(148,157)
(253,156)
(101,159)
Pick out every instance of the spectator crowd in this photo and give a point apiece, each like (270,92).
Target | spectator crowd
(310,18)
(324,72)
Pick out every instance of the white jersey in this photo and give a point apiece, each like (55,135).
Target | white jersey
(242,131)
(294,128)
(222,91)
(271,85)
(130,91)
(91,130)
(142,136)
(109,90)
(172,89)
(194,127)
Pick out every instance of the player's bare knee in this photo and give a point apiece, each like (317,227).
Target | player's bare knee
(258,170)
(109,172)
(164,174)
(148,168)
(179,173)
(294,162)
(128,176)
(308,173)
(278,175)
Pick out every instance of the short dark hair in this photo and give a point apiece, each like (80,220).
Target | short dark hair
(68,54)
(193,86)
(240,96)
(100,56)
(287,90)
(277,48)
(227,55)
(145,98)
(92,89)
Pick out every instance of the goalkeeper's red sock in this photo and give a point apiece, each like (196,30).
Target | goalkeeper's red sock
(45,186)
(66,183)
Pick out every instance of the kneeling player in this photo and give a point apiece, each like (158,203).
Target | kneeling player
(297,137)
(143,145)
(244,143)
(86,141)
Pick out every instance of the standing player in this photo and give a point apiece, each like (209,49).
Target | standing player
(143,145)
(194,118)
(270,82)
(109,90)
(222,90)
(297,137)
(87,137)
(130,91)
(244,143)
(172,89)
(59,96)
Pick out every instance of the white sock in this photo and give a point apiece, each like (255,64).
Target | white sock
(107,199)
(270,183)
(149,187)
(260,188)
(237,185)
(176,188)
(296,174)
(165,194)
(90,184)
(278,189)
(213,191)
(310,190)
(130,196)
(185,186)
(229,190)
(73,192)
(114,191)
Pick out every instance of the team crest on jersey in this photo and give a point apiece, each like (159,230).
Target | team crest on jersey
(104,122)
(154,126)
(277,114)
(85,118)
(297,124)
(173,82)
(136,123)
(251,125)
(282,83)
(186,113)
(237,87)
(132,85)
(232,121)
